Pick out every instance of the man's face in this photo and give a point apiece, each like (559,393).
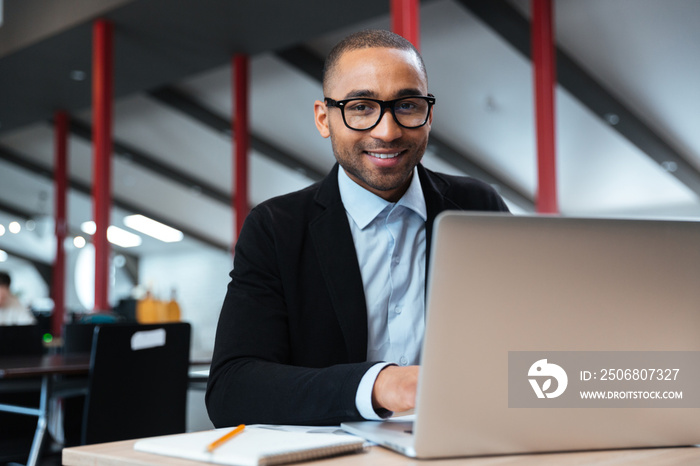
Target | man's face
(385,74)
(4,295)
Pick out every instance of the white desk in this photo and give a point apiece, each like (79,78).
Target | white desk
(123,454)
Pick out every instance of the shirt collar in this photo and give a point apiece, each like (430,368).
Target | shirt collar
(413,198)
(364,206)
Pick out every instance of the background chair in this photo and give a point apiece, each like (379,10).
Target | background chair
(77,338)
(17,430)
(138,382)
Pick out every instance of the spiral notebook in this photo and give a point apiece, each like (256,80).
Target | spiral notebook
(257,445)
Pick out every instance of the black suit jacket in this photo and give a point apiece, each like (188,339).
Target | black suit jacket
(291,343)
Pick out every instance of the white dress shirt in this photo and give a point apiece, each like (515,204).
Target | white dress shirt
(13,312)
(390,244)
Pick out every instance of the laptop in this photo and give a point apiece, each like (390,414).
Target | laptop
(525,315)
(21,340)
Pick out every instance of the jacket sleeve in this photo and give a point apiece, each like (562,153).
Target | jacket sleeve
(252,378)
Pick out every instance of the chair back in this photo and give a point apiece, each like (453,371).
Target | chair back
(77,337)
(138,382)
(21,340)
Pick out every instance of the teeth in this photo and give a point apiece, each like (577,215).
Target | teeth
(383,156)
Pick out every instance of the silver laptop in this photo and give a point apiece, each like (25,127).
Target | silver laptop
(555,334)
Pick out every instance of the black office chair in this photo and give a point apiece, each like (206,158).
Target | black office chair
(77,338)
(17,430)
(138,382)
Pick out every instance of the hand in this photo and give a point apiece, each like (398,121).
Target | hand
(395,388)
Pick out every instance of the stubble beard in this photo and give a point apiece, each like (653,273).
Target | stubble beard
(377,178)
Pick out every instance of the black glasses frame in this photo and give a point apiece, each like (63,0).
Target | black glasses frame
(383,105)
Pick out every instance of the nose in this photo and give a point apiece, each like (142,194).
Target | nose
(387,129)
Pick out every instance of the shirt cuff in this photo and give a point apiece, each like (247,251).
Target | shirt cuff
(363,397)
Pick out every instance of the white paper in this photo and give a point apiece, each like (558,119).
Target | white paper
(255,445)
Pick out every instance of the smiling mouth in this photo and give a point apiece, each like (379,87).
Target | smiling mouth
(383,156)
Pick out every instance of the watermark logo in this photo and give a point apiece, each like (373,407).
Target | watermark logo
(547,371)
(603,379)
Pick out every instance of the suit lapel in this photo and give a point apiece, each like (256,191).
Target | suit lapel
(435,202)
(337,258)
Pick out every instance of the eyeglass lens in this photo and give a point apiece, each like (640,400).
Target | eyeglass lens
(363,114)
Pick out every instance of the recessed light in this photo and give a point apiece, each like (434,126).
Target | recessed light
(669,166)
(612,118)
(77,75)
(15,227)
(88,227)
(119,261)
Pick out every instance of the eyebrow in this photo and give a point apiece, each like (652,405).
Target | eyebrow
(407,92)
(359,93)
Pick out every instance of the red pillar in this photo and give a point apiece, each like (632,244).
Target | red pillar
(405,15)
(240,64)
(102,96)
(60,188)
(544,64)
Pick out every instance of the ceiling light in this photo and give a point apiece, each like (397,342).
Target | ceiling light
(123,238)
(3,256)
(115,235)
(152,228)
(669,166)
(88,227)
(119,261)
(2,230)
(15,227)
(79,242)
(612,118)
(77,75)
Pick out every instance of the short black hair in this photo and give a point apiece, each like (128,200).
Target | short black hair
(367,38)
(5,279)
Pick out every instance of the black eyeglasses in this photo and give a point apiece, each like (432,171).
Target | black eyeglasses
(363,114)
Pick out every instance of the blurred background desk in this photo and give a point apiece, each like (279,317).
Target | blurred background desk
(132,384)
(39,371)
(26,368)
(123,454)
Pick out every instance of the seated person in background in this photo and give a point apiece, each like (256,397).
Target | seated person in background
(12,312)
(324,315)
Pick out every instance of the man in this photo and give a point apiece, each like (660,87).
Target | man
(324,315)
(12,311)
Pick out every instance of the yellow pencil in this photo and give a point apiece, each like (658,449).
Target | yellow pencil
(220,441)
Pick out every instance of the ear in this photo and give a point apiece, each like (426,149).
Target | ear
(430,117)
(321,118)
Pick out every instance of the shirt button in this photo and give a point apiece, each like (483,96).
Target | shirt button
(398,309)
(396,260)
(403,360)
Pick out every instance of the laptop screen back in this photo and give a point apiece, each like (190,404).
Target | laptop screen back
(503,286)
